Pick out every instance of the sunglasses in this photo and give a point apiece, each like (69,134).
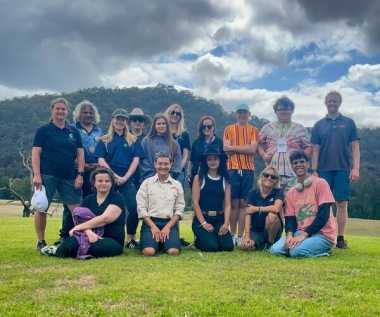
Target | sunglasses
(296,162)
(137,119)
(176,113)
(271,176)
(207,126)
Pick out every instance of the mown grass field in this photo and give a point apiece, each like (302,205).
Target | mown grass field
(193,284)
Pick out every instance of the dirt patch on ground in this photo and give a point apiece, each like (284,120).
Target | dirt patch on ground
(84,281)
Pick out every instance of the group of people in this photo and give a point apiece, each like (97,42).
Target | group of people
(109,181)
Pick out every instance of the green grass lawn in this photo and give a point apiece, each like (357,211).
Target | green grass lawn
(193,284)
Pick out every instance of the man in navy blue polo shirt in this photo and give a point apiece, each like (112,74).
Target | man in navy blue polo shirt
(57,162)
(332,137)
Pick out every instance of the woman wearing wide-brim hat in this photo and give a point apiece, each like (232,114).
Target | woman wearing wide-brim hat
(211,196)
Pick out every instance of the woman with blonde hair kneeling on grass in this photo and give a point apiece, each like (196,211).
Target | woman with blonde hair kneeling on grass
(99,222)
(212,204)
(263,223)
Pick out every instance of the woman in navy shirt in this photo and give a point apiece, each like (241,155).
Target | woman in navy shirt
(211,198)
(57,162)
(119,151)
(263,223)
(206,137)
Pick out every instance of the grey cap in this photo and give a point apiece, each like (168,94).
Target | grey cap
(242,107)
(119,112)
(138,113)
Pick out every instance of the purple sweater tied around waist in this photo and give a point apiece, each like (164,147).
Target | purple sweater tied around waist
(81,215)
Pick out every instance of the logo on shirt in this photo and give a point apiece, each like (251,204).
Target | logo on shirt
(71,137)
(271,199)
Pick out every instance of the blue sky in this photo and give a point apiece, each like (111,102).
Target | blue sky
(242,51)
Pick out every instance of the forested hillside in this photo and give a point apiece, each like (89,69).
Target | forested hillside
(20,117)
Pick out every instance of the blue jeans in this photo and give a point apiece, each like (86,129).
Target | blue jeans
(315,246)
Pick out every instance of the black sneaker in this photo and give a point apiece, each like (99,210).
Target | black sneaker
(132,244)
(341,244)
(40,244)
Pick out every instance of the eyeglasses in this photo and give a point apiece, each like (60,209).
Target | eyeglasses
(207,126)
(296,162)
(176,113)
(271,176)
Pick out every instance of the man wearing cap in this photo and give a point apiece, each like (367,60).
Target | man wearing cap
(240,145)
(160,203)
(332,137)
(137,122)
(277,140)
(119,151)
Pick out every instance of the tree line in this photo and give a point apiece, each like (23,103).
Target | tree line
(20,117)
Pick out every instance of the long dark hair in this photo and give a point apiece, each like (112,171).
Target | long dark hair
(222,169)
(167,136)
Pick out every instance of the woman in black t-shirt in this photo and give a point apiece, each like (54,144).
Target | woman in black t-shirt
(109,215)
(206,138)
(211,196)
(263,222)
(176,118)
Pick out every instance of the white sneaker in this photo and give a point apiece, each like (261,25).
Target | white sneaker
(239,241)
(49,250)
(235,239)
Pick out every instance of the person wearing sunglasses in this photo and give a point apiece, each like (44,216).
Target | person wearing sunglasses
(206,138)
(277,140)
(211,196)
(309,222)
(263,222)
(176,119)
(137,126)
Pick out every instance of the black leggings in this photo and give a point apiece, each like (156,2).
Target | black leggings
(128,191)
(211,241)
(101,248)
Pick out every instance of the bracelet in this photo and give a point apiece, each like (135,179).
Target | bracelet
(203,223)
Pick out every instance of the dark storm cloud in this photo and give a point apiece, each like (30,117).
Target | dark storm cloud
(67,44)
(364,14)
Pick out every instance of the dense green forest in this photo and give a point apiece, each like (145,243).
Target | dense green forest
(20,117)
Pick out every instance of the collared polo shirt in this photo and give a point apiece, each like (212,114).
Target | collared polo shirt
(160,199)
(334,137)
(89,140)
(118,153)
(59,149)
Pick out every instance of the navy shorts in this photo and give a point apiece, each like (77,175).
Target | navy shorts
(339,182)
(241,183)
(147,241)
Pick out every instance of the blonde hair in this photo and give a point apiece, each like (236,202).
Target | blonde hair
(128,136)
(181,124)
(60,100)
(85,103)
(265,170)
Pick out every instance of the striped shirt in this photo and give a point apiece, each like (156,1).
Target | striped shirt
(239,135)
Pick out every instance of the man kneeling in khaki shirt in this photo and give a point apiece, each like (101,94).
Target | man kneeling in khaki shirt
(160,203)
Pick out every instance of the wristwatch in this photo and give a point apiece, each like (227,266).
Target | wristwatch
(80,174)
